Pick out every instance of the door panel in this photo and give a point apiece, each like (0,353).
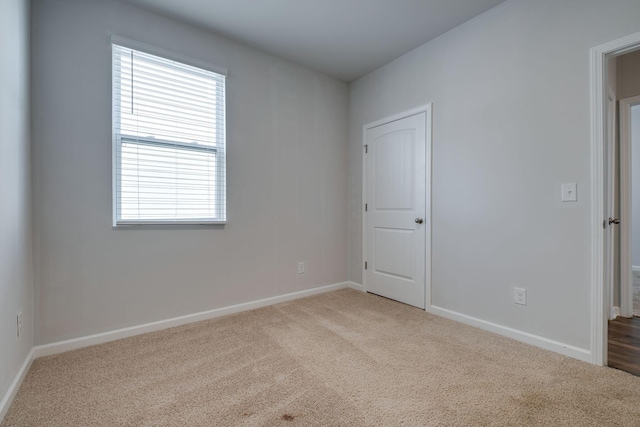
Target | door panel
(393,252)
(394,166)
(396,192)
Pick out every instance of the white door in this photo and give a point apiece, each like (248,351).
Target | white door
(396,217)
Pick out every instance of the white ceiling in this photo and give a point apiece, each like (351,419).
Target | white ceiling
(343,38)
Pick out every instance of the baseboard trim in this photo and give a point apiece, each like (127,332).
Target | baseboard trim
(635,268)
(615,312)
(535,340)
(356,286)
(101,338)
(15,385)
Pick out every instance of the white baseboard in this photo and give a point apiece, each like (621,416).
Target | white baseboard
(15,385)
(356,286)
(635,268)
(615,312)
(538,341)
(75,343)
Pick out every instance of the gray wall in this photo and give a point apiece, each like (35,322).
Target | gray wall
(287,180)
(511,123)
(16,291)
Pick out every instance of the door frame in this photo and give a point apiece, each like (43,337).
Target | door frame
(611,170)
(626,211)
(427,109)
(600,303)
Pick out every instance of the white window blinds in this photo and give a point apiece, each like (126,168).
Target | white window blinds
(169,141)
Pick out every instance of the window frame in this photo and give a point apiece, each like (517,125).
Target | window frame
(118,139)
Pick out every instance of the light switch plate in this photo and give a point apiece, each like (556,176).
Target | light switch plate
(570,192)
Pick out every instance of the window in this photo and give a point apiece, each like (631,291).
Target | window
(168,139)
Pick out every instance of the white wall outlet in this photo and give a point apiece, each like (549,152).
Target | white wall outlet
(19,324)
(570,192)
(302,268)
(520,296)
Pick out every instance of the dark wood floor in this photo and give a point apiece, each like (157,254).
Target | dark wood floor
(624,344)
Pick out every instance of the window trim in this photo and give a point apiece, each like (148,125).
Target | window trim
(116,140)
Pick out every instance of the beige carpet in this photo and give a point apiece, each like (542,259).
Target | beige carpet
(338,359)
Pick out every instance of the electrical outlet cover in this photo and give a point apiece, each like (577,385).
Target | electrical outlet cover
(520,296)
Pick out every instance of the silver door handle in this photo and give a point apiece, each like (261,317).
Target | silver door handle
(418,220)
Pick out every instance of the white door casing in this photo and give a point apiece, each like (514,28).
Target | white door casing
(599,292)
(397,219)
(610,171)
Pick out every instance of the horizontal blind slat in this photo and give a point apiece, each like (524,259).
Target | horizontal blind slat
(152,77)
(169,65)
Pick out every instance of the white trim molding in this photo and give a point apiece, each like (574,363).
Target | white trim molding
(525,337)
(599,295)
(615,312)
(104,337)
(355,286)
(635,268)
(15,385)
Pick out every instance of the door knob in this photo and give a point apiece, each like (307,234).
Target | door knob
(614,221)
(418,220)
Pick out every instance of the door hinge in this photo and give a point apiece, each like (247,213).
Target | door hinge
(366,148)
(365,265)
(604,223)
(366,207)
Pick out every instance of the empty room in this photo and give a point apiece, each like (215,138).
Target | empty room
(330,213)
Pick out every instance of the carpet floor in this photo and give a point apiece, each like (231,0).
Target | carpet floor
(343,358)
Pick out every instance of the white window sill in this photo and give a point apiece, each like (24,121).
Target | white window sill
(123,224)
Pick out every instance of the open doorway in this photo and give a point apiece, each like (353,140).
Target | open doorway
(629,111)
(605,264)
(622,172)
